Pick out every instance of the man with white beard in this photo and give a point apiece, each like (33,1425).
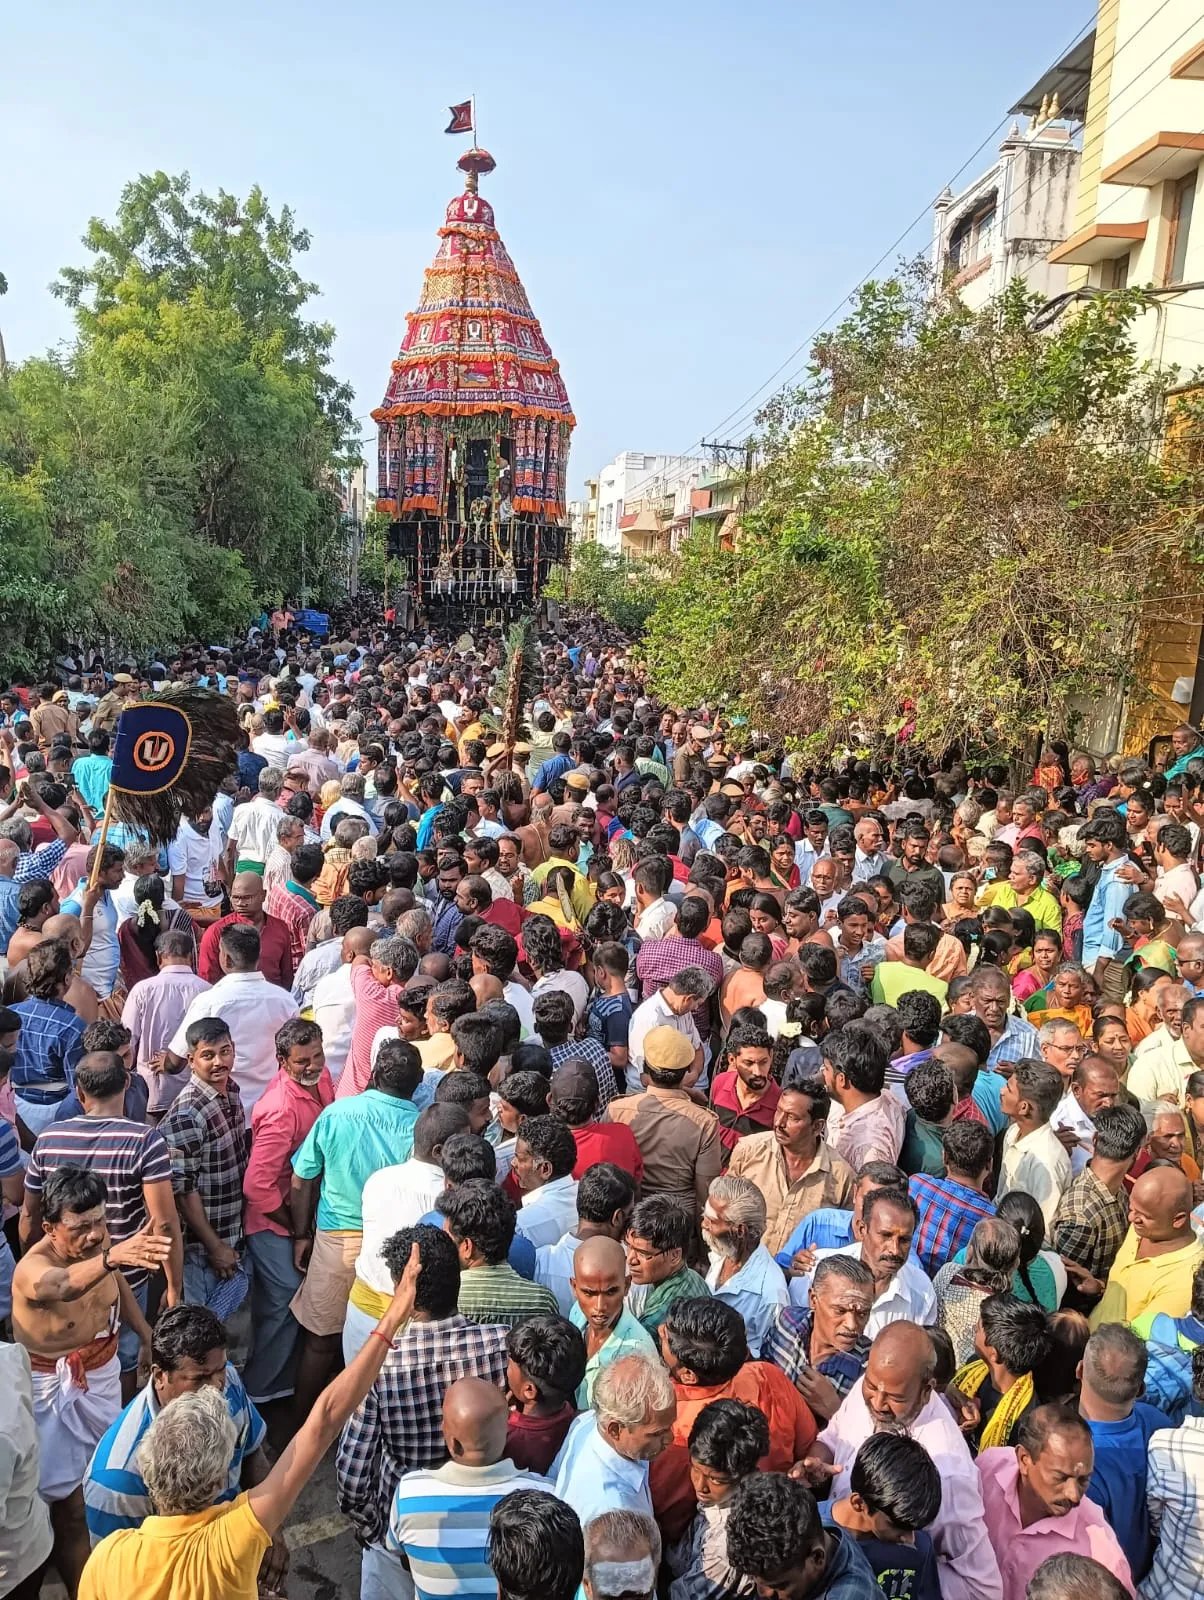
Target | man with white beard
(742,1271)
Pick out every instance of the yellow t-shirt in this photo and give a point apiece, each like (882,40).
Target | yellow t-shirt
(209,1555)
(1138,1287)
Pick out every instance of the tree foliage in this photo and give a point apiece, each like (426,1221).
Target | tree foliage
(616,587)
(175,466)
(954,521)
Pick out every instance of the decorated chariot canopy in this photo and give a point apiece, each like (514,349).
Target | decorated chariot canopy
(474,386)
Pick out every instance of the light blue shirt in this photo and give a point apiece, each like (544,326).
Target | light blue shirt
(591,1476)
(1107,903)
(91,775)
(628,1337)
(755,1291)
(353,1138)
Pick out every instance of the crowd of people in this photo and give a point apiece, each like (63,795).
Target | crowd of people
(656,1166)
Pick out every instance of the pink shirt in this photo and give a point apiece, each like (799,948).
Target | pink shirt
(1020,1551)
(375,1008)
(154,1008)
(968,1569)
(874,1132)
(280,1122)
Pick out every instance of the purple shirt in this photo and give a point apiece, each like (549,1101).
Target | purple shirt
(154,1009)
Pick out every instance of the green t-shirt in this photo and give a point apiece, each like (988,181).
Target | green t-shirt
(893,978)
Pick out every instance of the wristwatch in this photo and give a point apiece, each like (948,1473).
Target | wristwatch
(104,1259)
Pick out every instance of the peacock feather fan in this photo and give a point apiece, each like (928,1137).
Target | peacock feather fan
(212,755)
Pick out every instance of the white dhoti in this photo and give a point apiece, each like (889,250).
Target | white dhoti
(74,1402)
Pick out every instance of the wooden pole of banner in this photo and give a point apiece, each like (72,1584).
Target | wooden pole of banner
(94,875)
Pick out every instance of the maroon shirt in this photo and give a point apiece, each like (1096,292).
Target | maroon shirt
(533,1443)
(736,1120)
(275,954)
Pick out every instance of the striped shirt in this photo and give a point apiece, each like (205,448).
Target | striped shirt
(125,1154)
(496,1296)
(591,1052)
(49,1047)
(115,1493)
(440,1521)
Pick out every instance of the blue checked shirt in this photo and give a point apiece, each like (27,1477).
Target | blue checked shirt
(949,1212)
(36,865)
(115,1493)
(398,1427)
(49,1047)
(1174,1495)
(828,1228)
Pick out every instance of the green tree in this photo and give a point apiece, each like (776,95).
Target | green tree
(955,519)
(178,464)
(619,588)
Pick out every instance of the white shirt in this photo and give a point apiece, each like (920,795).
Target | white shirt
(1037,1164)
(193,856)
(572,983)
(656,920)
(908,1297)
(549,1212)
(1070,1114)
(515,995)
(499,884)
(274,747)
(316,964)
(252,1009)
(655,1013)
(346,807)
(253,828)
(590,1475)
(756,1290)
(25,1536)
(554,1269)
(334,1011)
(395,1197)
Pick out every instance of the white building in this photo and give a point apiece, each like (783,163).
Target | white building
(1005,224)
(633,479)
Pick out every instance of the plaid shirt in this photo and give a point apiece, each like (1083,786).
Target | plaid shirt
(296,908)
(948,1214)
(1174,1493)
(48,1050)
(788,1343)
(206,1133)
(398,1427)
(588,1050)
(34,865)
(660,960)
(1090,1224)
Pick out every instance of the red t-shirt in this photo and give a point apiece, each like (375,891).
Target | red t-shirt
(505,914)
(275,951)
(608,1141)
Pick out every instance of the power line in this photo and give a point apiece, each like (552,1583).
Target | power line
(1113,99)
(743,413)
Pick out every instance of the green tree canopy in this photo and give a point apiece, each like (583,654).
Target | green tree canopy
(954,522)
(176,465)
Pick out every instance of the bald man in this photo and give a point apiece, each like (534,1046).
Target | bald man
(486,988)
(334,1004)
(599,1283)
(896,1394)
(1153,1269)
(247,897)
(468,1486)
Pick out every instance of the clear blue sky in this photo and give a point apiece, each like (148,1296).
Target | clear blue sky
(687,189)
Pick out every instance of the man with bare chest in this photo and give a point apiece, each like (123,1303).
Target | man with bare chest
(69,1301)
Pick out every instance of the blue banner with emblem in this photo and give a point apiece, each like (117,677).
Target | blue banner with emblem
(150,747)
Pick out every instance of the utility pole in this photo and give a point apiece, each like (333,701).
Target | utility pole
(747,449)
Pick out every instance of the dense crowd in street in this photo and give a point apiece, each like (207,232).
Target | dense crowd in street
(654,1165)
